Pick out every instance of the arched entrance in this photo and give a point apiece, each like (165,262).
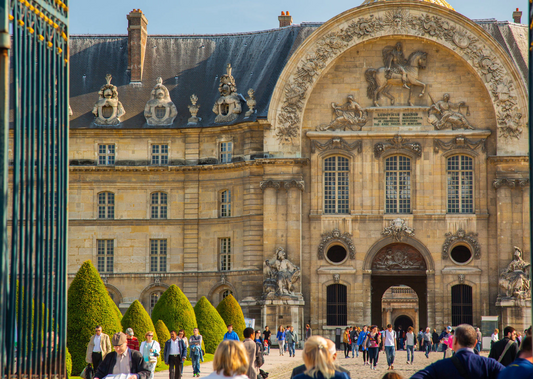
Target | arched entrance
(403,321)
(397,265)
(400,306)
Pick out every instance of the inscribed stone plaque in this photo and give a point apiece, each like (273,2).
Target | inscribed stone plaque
(401,116)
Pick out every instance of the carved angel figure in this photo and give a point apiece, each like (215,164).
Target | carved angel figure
(284,272)
(444,113)
(108,109)
(514,280)
(160,110)
(346,116)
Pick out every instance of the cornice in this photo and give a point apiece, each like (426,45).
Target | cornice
(171,274)
(495,159)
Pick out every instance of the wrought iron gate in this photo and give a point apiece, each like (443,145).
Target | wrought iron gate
(34,183)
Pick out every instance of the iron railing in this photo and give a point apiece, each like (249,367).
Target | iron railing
(34,78)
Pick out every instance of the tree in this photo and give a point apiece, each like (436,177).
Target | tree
(211,325)
(175,310)
(68,363)
(163,335)
(231,312)
(138,319)
(88,305)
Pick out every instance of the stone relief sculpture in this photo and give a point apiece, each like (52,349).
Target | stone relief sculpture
(281,275)
(445,114)
(510,124)
(336,235)
(336,144)
(160,110)
(397,71)
(251,102)
(398,143)
(461,236)
(194,108)
(459,142)
(108,109)
(228,106)
(398,260)
(398,229)
(514,280)
(510,183)
(349,115)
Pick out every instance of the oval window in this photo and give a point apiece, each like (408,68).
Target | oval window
(461,254)
(337,254)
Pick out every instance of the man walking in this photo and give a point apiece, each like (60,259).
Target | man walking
(308,332)
(390,342)
(505,350)
(427,341)
(254,353)
(522,367)
(175,354)
(133,342)
(479,337)
(230,334)
(290,339)
(353,337)
(99,346)
(401,337)
(266,339)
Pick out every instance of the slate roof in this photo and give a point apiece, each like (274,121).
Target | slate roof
(194,63)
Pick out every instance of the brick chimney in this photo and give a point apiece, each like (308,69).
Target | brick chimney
(517,16)
(285,19)
(137,37)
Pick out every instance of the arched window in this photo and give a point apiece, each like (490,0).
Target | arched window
(336,185)
(106,205)
(462,304)
(398,184)
(159,205)
(460,184)
(225,294)
(154,297)
(225,203)
(337,309)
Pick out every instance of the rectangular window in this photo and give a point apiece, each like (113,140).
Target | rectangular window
(106,205)
(460,184)
(226,150)
(336,185)
(159,205)
(105,255)
(106,154)
(398,184)
(225,204)
(158,255)
(160,155)
(225,254)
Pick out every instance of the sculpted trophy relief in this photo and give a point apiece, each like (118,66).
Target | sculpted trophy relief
(228,106)
(349,115)
(160,110)
(108,109)
(444,114)
(396,71)
(514,280)
(281,275)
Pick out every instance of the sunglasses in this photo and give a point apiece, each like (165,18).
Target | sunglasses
(150,335)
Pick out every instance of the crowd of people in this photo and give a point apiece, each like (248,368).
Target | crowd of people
(510,357)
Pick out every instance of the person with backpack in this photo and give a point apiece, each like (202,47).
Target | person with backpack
(505,350)
(354,334)
(255,357)
(195,352)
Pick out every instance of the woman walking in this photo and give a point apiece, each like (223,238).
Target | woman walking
(361,342)
(436,339)
(150,350)
(410,344)
(346,341)
(195,352)
(494,337)
(230,361)
(318,361)
(281,340)
(373,340)
(183,337)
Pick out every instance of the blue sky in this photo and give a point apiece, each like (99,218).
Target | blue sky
(217,16)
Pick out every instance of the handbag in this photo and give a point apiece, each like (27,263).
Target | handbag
(88,372)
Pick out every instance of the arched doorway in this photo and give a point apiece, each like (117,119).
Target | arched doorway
(398,265)
(399,306)
(404,322)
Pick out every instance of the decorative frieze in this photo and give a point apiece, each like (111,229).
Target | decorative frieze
(398,229)
(398,259)
(459,142)
(397,143)
(461,236)
(510,182)
(287,184)
(336,236)
(348,116)
(444,114)
(336,144)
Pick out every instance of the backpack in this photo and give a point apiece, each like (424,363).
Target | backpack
(259,358)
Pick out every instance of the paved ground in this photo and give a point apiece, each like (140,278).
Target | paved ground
(280,367)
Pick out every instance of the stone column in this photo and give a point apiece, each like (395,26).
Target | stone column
(367,297)
(270,199)
(505,219)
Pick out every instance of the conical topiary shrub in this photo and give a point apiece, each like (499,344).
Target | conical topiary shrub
(231,312)
(163,335)
(138,319)
(88,305)
(175,310)
(115,309)
(211,325)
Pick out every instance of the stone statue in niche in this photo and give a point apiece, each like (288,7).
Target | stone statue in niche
(251,102)
(396,71)
(349,115)
(445,114)
(108,109)
(194,108)
(514,280)
(160,110)
(228,106)
(281,275)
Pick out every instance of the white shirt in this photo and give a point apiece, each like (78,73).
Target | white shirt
(97,348)
(175,347)
(390,338)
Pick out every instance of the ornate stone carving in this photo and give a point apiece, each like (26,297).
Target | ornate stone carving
(105,280)
(157,280)
(443,30)
(510,124)
(336,144)
(459,142)
(287,184)
(228,106)
(160,110)
(510,182)
(336,278)
(401,259)
(461,236)
(514,280)
(461,278)
(398,143)
(336,236)
(108,109)
(298,184)
(193,108)
(397,71)
(223,278)
(281,274)
(445,114)
(350,116)
(250,101)
(398,229)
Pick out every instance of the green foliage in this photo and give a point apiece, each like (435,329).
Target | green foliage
(117,311)
(138,319)
(88,305)
(231,312)
(163,335)
(175,310)
(212,326)
(68,363)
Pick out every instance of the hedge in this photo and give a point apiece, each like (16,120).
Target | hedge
(88,305)
(175,310)
(231,312)
(163,335)
(138,319)
(68,363)
(211,325)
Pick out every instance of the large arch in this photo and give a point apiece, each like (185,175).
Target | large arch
(448,28)
(376,247)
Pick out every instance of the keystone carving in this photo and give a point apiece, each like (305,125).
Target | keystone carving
(108,109)
(461,236)
(349,116)
(461,278)
(335,236)
(228,106)
(445,114)
(193,108)
(397,143)
(510,182)
(336,144)
(514,280)
(398,229)
(459,142)
(336,278)
(250,101)
(160,110)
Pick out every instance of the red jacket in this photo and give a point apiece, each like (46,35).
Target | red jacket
(133,343)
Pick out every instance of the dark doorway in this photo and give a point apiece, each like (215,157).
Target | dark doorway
(403,321)
(337,309)
(462,305)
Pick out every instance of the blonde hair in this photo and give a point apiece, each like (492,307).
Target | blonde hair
(230,358)
(317,357)
(148,332)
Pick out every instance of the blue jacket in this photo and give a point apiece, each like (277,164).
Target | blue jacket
(182,346)
(477,366)
(231,336)
(338,375)
(520,368)
(361,338)
(280,336)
